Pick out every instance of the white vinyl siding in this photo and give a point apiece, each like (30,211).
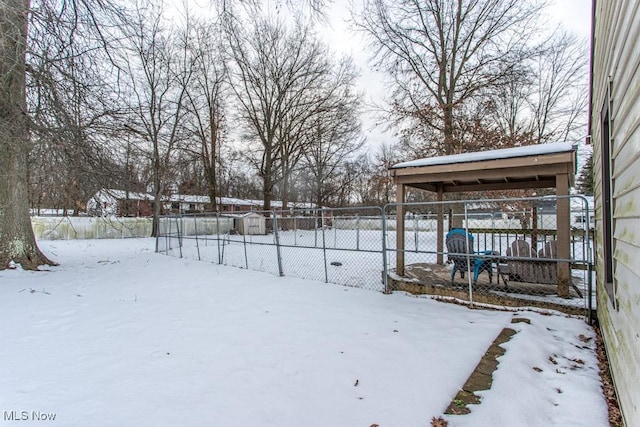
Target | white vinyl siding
(617,60)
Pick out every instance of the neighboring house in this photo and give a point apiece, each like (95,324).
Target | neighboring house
(230,204)
(615,133)
(108,202)
(184,203)
(276,205)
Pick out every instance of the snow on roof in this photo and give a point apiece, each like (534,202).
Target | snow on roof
(121,194)
(233,201)
(108,193)
(503,153)
(278,204)
(188,198)
(250,202)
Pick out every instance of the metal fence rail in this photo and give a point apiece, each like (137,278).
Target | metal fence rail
(511,259)
(318,244)
(85,227)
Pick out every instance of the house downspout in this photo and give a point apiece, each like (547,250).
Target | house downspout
(593,36)
(588,141)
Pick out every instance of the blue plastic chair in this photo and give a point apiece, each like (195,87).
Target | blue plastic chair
(459,244)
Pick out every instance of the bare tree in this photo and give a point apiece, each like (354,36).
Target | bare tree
(549,102)
(507,105)
(17,242)
(207,98)
(381,189)
(55,24)
(283,81)
(73,107)
(159,70)
(442,54)
(336,137)
(558,100)
(357,174)
(323,98)
(75,131)
(237,178)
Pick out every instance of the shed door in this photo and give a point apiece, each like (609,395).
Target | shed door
(254,225)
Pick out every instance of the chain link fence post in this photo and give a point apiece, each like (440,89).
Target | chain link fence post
(324,248)
(158,236)
(416,232)
(179,230)
(218,237)
(195,232)
(385,267)
(469,251)
(168,247)
(246,258)
(277,240)
(315,229)
(357,232)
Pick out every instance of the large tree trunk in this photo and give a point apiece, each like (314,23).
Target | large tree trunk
(17,242)
(157,198)
(266,192)
(449,142)
(211,177)
(457,218)
(213,157)
(285,187)
(267,180)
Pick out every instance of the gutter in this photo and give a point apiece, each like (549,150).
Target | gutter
(591,54)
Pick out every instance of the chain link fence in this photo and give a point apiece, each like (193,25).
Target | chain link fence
(510,252)
(342,246)
(503,252)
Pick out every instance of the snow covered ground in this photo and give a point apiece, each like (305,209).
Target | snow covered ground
(121,336)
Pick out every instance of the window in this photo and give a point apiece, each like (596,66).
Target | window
(607,200)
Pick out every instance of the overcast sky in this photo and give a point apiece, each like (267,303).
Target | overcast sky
(574,15)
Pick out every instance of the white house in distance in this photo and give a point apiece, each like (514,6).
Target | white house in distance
(108,202)
(615,134)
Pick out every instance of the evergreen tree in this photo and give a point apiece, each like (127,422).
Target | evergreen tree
(585,180)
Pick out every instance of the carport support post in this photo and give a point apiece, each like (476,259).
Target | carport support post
(400,230)
(440,229)
(563,244)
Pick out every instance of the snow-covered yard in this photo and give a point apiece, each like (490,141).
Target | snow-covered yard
(121,336)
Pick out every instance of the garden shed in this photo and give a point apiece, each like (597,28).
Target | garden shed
(251,223)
